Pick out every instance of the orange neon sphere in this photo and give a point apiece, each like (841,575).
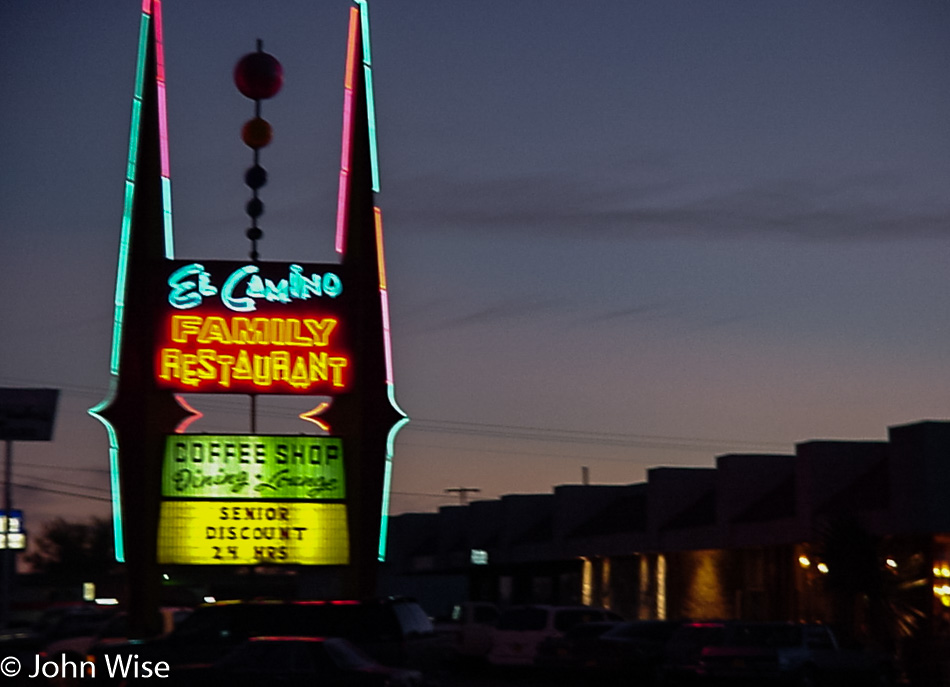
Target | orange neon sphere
(256,133)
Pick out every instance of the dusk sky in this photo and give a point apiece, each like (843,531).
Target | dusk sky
(620,234)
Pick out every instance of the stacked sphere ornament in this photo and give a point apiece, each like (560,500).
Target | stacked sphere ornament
(258,76)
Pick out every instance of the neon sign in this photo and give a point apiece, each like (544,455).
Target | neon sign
(265,328)
(190,284)
(253,467)
(12,535)
(252,532)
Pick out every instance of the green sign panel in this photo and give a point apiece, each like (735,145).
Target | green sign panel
(253,467)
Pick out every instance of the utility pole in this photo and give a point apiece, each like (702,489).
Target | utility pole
(463,493)
(25,415)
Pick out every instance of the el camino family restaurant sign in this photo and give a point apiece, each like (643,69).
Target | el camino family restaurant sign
(263,328)
(250,328)
(319,332)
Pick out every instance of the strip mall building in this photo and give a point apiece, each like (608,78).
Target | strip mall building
(851,532)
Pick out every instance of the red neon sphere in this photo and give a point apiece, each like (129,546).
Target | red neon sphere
(258,75)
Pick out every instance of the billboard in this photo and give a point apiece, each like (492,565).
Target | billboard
(273,327)
(27,414)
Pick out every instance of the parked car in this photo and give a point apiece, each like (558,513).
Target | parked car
(796,654)
(113,631)
(684,650)
(630,650)
(324,661)
(394,631)
(572,650)
(469,628)
(55,625)
(521,629)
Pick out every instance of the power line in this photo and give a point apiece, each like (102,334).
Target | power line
(618,439)
(33,487)
(411,493)
(630,460)
(70,484)
(501,431)
(40,466)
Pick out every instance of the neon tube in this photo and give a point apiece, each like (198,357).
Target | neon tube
(364,22)
(151,11)
(195,414)
(371,120)
(348,82)
(311,416)
(378,219)
(163,132)
(390,387)
(359,21)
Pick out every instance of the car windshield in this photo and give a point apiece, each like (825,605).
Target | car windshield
(413,619)
(346,655)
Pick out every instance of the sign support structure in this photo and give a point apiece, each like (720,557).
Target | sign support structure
(142,409)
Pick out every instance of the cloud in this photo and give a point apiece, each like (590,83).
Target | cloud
(824,207)
(502,310)
(634,312)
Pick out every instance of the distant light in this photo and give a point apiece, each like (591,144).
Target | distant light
(822,568)
(945,571)
(479,557)
(165,576)
(661,587)
(210,600)
(107,602)
(804,562)
(587,581)
(88,591)
(891,563)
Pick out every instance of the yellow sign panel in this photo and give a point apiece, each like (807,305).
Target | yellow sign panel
(252,532)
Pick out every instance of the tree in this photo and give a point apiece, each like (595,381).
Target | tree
(73,549)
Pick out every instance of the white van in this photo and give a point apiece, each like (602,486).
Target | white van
(520,629)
